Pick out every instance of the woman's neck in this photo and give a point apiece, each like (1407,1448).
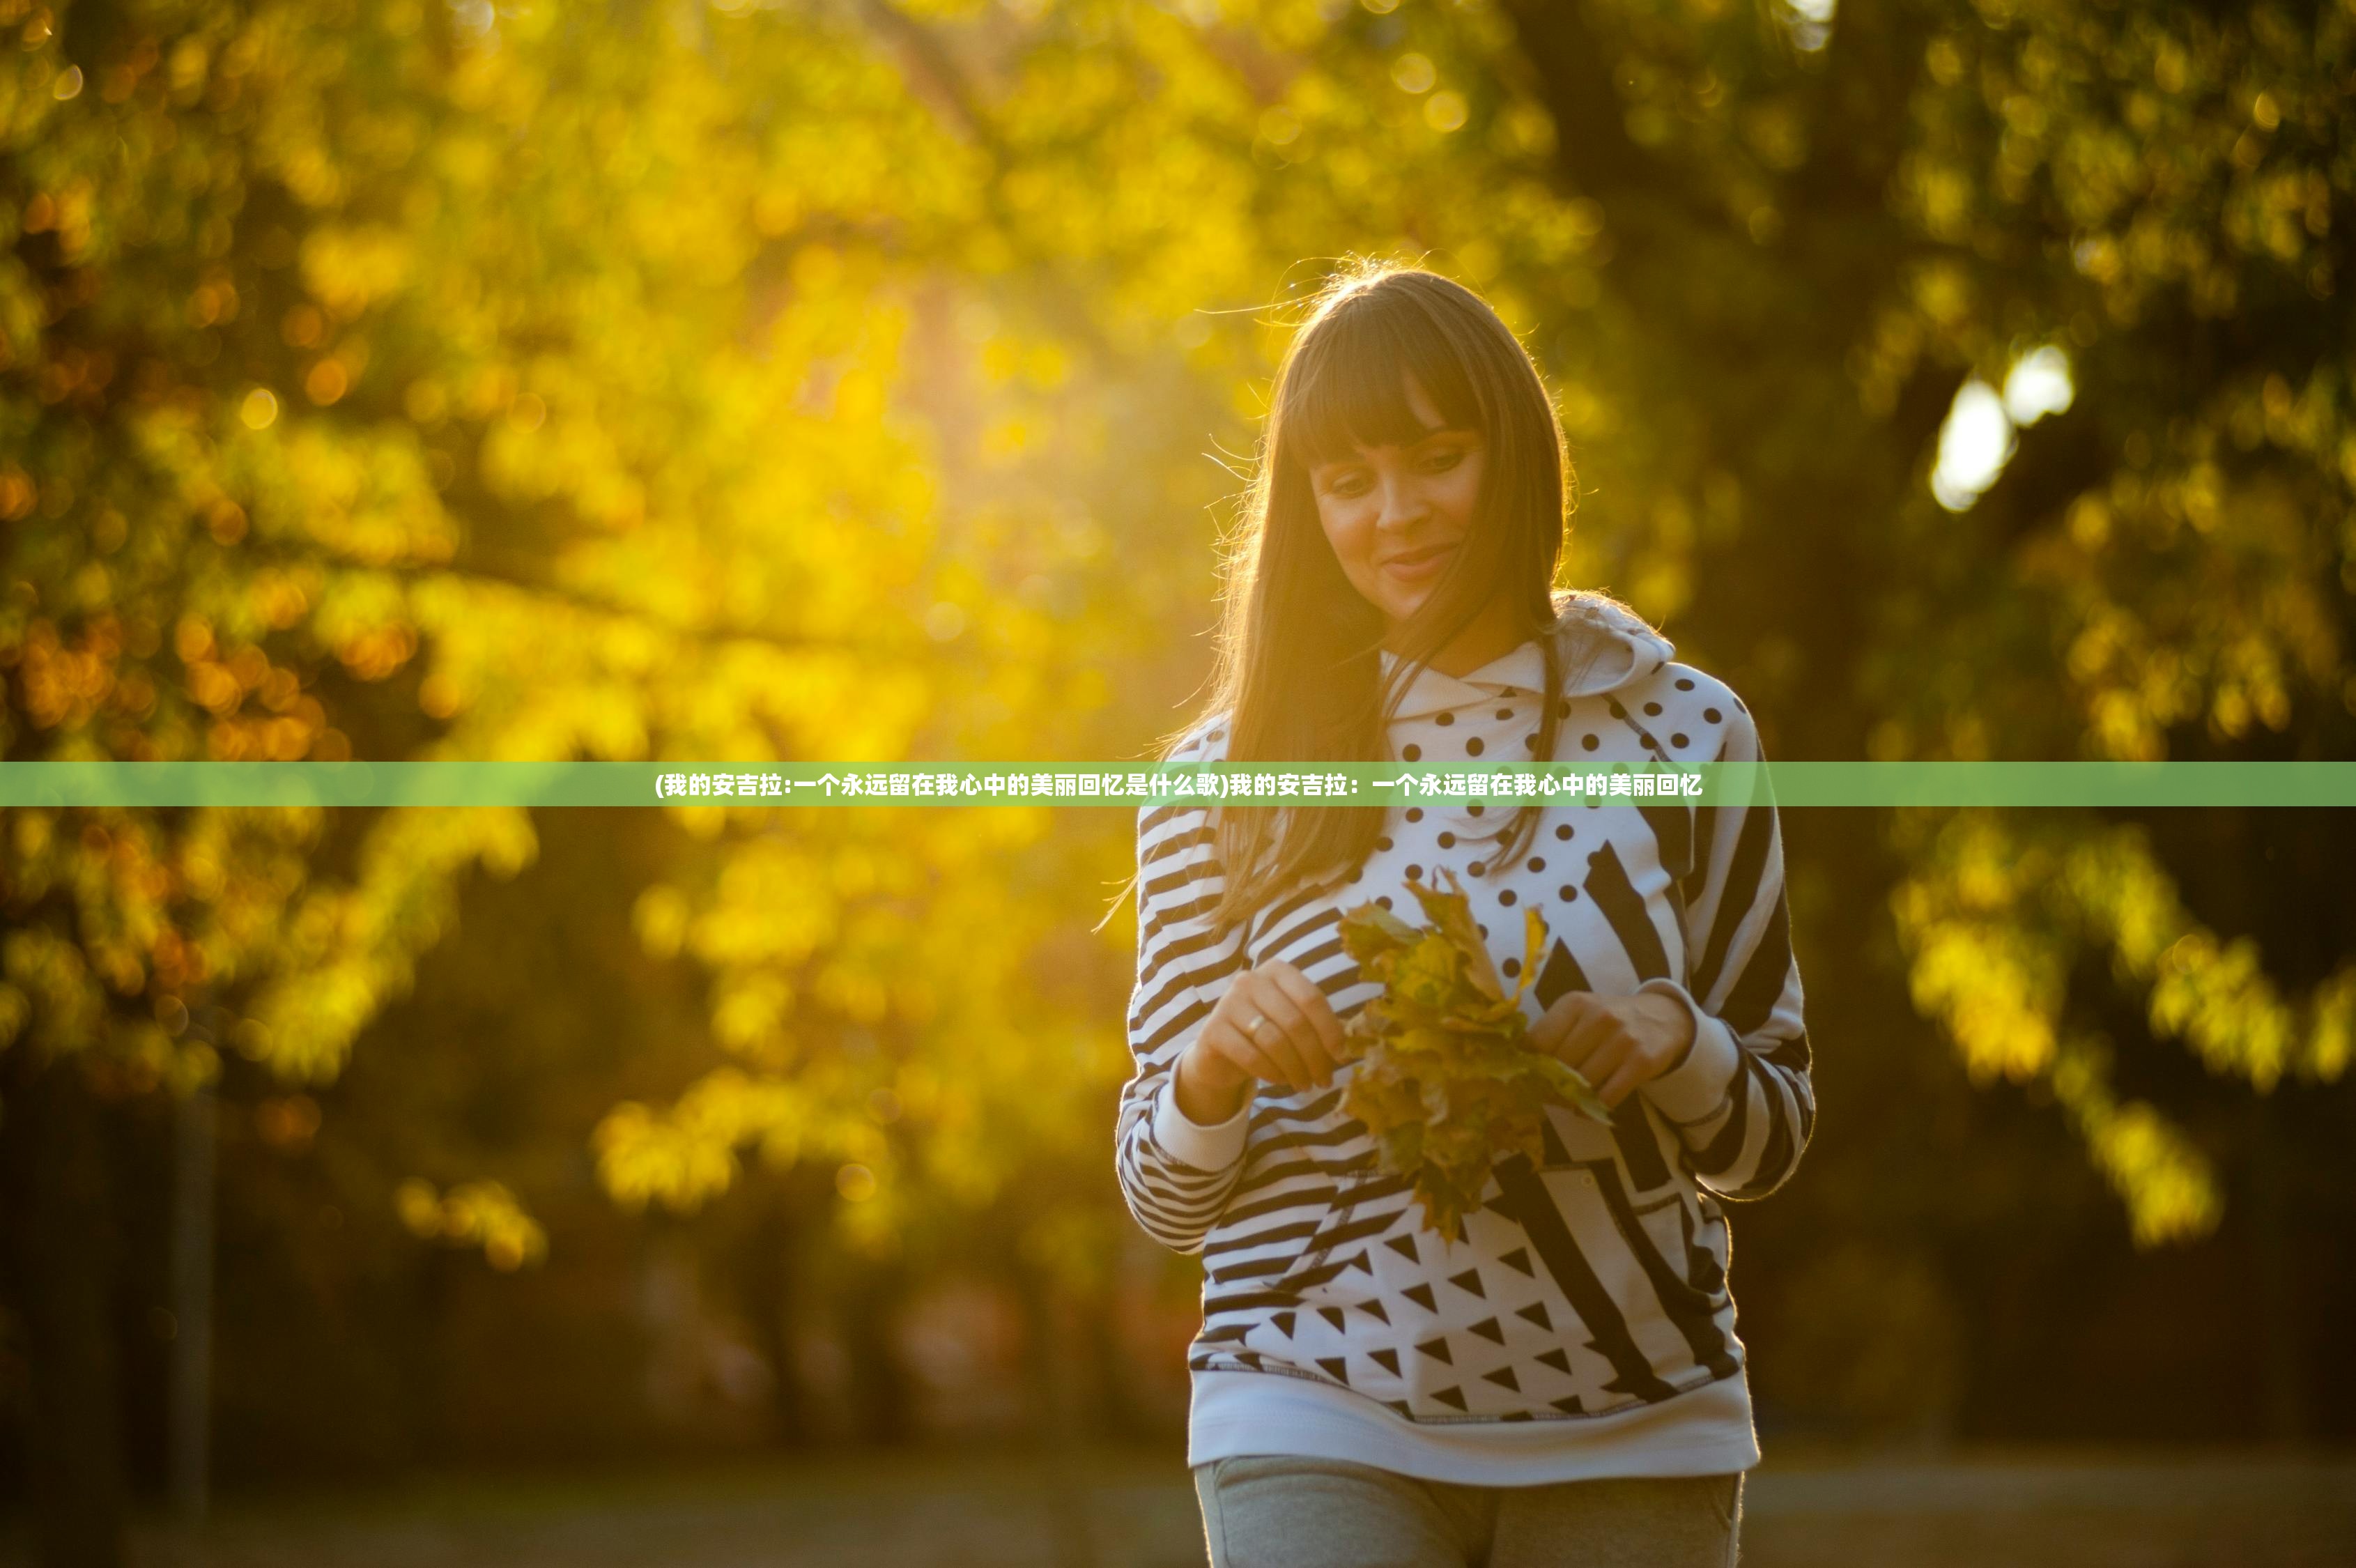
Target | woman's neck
(1490,638)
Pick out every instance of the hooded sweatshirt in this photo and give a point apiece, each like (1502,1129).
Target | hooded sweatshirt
(1583,1325)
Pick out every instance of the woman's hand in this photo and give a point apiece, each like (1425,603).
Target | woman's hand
(1274,1026)
(1616,1042)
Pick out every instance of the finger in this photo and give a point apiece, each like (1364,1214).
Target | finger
(1249,1056)
(1254,1055)
(1315,1013)
(1587,1036)
(1264,1056)
(1315,1009)
(1603,1062)
(1559,1022)
(1290,1033)
(1624,1080)
(1299,1043)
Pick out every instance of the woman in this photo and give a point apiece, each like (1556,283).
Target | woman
(1564,1384)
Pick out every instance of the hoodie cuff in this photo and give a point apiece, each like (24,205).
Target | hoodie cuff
(1207,1149)
(1694,1090)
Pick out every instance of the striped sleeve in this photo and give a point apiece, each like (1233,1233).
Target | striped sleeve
(1176,1175)
(1741,1100)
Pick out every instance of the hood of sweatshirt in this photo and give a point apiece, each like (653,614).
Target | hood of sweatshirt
(1605,646)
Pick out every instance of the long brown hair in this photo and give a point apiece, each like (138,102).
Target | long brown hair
(1300,676)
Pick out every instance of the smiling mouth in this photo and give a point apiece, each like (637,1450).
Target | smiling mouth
(1417,559)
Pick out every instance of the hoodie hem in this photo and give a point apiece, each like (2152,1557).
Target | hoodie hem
(1706,1431)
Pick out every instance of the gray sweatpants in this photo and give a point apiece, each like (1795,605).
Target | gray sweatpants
(1283,1511)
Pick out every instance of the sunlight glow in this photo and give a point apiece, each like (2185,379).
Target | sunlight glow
(1810,22)
(1973,447)
(2039,385)
(1976,441)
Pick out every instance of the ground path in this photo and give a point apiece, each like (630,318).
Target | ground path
(1014,1510)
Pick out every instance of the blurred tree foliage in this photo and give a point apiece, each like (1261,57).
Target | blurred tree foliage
(851,379)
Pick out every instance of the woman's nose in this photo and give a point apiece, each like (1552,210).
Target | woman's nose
(1402,502)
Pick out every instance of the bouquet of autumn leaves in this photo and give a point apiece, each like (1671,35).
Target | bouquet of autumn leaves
(1446,1080)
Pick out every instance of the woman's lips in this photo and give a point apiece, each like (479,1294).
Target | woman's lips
(1420,568)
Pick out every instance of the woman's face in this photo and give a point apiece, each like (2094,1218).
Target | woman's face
(1395,515)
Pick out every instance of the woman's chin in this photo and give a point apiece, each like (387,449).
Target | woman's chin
(1406,602)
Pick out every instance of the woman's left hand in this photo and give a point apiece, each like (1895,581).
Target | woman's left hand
(1616,1042)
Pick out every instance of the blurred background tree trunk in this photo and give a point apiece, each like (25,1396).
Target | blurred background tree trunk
(61,1275)
(867,1315)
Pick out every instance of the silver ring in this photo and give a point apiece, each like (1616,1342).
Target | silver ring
(1253,1027)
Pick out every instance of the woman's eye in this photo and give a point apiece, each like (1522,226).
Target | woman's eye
(1442,461)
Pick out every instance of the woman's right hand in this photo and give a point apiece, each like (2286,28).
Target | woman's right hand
(1274,1026)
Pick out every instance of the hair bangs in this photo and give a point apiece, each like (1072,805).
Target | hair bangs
(1349,383)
